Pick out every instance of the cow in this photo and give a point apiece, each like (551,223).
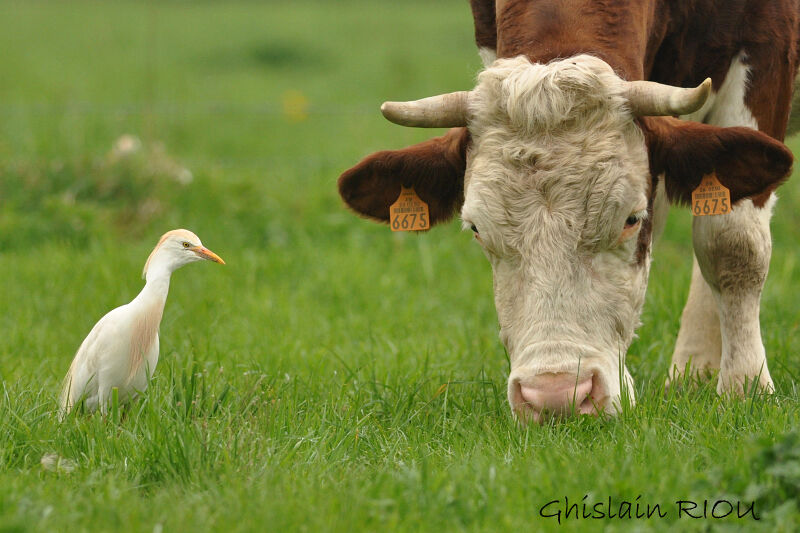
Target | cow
(589,119)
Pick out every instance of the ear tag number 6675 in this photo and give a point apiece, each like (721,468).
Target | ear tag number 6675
(711,197)
(409,212)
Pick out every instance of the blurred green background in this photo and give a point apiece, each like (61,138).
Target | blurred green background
(332,375)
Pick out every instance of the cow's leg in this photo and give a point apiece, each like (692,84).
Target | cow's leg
(733,253)
(698,347)
(699,343)
(720,324)
(733,250)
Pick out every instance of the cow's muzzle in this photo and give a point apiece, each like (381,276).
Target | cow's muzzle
(562,379)
(558,395)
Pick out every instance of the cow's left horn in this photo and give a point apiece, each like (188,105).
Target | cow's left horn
(442,111)
(648,98)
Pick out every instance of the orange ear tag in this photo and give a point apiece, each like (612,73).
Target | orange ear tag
(711,197)
(409,212)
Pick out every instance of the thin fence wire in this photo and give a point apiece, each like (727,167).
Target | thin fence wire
(176,108)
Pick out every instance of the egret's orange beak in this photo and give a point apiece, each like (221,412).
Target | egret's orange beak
(205,253)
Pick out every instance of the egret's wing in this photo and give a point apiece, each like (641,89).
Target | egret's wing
(81,379)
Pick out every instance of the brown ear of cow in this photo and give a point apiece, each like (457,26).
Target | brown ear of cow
(434,168)
(749,163)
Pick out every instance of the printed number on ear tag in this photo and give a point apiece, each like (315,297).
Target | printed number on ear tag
(409,212)
(711,197)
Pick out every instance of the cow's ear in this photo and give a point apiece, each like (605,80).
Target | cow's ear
(434,168)
(749,163)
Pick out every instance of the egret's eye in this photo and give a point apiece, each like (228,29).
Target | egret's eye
(632,221)
(186,245)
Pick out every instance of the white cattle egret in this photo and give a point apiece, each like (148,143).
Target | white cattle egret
(121,351)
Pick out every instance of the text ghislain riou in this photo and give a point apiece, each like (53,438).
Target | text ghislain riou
(638,510)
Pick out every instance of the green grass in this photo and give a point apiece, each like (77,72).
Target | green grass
(332,376)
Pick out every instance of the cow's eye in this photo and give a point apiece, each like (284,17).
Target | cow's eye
(632,221)
(632,224)
(474,229)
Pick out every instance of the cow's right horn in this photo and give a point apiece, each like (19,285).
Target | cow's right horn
(443,111)
(648,98)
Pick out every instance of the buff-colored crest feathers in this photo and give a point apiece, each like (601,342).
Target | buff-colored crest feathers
(183,234)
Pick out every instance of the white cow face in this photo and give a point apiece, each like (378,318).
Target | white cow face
(551,166)
(556,189)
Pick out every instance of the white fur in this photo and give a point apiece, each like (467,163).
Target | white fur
(488,55)
(556,166)
(729,107)
(733,253)
(699,344)
(725,105)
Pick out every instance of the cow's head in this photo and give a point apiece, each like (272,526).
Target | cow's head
(556,168)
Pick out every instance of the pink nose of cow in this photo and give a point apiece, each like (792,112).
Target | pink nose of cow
(555,395)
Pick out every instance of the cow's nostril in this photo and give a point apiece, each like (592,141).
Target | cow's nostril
(556,394)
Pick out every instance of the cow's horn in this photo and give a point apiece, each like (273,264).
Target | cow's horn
(443,111)
(649,98)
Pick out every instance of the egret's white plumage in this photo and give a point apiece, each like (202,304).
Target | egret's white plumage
(122,349)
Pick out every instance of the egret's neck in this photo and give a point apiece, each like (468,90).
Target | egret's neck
(156,287)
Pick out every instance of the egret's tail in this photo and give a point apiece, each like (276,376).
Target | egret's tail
(66,400)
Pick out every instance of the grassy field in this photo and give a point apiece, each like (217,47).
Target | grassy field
(332,376)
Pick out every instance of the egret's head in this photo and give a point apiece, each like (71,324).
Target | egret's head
(175,249)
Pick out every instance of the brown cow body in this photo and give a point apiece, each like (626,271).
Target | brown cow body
(676,43)
(564,172)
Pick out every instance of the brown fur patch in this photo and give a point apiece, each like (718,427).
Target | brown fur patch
(483,12)
(677,43)
(701,37)
(544,30)
(748,162)
(435,168)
